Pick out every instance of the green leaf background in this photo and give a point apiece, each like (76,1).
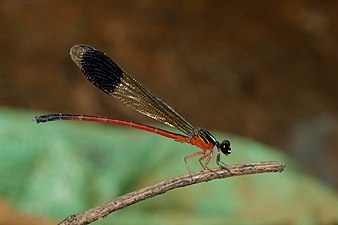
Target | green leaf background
(60,168)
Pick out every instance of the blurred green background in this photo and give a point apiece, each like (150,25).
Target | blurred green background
(263,73)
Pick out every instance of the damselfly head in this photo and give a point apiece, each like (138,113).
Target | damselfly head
(225,147)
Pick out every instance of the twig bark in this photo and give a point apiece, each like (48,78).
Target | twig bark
(103,210)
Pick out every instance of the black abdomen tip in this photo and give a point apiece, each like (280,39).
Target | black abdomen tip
(99,69)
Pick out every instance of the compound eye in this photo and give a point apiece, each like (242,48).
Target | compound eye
(225,147)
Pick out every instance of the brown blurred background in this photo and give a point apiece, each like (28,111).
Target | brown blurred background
(267,70)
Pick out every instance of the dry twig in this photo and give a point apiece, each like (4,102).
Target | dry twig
(103,210)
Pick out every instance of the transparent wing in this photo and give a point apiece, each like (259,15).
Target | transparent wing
(105,74)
